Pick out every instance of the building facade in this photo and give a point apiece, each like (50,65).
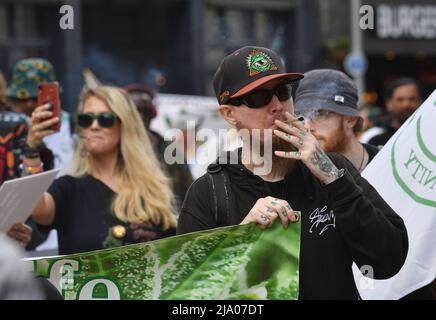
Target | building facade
(176,45)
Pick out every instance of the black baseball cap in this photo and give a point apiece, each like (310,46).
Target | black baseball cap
(246,69)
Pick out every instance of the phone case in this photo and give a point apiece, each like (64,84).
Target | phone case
(49,92)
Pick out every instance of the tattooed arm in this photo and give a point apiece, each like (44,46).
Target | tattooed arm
(323,168)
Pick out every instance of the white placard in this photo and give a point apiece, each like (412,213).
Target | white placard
(18,197)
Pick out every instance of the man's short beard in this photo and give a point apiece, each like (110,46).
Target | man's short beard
(338,141)
(258,144)
(281,164)
(403,115)
(278,144)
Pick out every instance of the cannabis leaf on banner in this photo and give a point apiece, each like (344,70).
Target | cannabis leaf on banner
(238,262)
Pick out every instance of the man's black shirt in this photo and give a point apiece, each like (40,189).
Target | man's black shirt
(344,221)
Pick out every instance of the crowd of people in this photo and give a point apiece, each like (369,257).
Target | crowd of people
(116,189)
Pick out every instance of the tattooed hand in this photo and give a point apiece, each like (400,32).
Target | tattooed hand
(267,210)
(308,149)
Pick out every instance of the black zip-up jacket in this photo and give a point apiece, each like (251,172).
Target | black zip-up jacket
(344,221)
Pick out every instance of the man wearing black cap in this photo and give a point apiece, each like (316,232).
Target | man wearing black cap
(327,99)
(343,219)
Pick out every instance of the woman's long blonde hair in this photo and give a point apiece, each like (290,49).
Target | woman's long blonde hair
(145,192)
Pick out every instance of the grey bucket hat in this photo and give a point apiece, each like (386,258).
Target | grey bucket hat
(326,89)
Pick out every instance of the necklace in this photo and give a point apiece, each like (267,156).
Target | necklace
(363,158)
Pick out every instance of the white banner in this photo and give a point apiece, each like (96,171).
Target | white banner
(404,174)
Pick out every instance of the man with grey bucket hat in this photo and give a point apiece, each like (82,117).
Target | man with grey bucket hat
(327,99)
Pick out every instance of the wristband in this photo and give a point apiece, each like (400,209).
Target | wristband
(31,153)
(27,170)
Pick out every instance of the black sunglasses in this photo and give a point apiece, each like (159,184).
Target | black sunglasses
(105,119)
(261,98)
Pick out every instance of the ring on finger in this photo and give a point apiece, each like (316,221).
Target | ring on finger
(297,217)
(300,142)
(292,154)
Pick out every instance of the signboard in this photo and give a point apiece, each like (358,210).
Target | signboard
(225,263)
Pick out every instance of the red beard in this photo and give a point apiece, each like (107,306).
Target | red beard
(336,142)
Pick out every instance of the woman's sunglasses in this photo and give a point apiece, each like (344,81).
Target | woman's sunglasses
(105,119)
(261,98)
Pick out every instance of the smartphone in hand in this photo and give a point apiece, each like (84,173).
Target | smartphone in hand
(49,93)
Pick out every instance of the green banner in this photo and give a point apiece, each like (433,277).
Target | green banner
(237,262)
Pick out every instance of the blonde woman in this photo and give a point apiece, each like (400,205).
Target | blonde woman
(117,193)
